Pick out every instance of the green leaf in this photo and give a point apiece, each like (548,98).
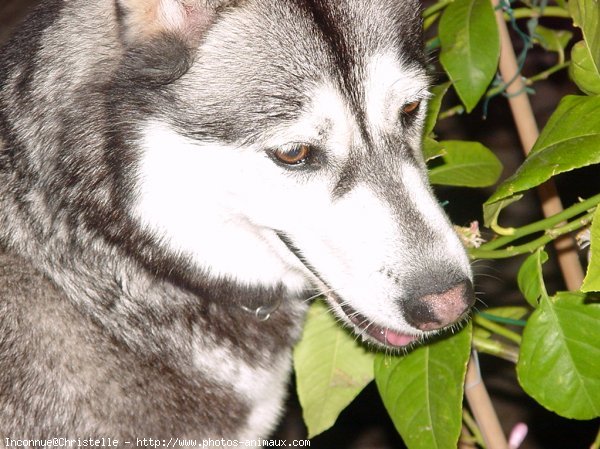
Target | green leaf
(332,368)
(583,71)
(470,47)
(433,107)
(531,278)
(586,15)
(559,364)
(567,142)
(591,283)
(552,40)
(491,212)
(467,164)
(423,391)
(432,149)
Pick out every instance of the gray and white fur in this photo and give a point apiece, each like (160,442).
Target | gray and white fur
(177,177)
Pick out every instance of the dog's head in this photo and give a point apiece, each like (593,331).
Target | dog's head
(287,152)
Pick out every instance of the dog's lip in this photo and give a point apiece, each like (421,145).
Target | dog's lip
(384,335)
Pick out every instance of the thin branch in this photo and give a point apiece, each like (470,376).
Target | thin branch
(596,444)
(496,349)
(436,8)
(551,235)
(547,73)
(497,329)
(545,224)
(455,110)
(528,13)
(473,429)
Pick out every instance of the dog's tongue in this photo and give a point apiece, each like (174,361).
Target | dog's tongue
(394,339)
(382,334)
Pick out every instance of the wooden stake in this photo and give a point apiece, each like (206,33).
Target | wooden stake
(527,128)
(482,408)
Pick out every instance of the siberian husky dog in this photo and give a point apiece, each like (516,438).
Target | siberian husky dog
(177,178)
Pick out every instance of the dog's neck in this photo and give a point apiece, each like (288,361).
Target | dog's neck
(122,296)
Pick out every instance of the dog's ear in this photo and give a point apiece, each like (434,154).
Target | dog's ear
(142,20)
(159,36)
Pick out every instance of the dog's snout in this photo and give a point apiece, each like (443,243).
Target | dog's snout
(433,311)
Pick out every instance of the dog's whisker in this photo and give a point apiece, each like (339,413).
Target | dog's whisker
(489,276)
(478,299)
(324,292)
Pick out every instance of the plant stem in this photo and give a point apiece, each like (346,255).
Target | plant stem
(531,80)
(548,11)
(496,348)
(545,224)
(546,73)
(436,8)
(432,44)
(518,13)
(430,21)
(497,329)
(473,428)
(456,110)
(466,441)
(459,109)
(552,234)
(596,444)
(503,320)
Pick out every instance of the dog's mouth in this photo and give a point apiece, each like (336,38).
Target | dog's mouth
(364,327)
(372,331)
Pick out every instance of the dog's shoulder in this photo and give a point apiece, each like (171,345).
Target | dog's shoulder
(51,347)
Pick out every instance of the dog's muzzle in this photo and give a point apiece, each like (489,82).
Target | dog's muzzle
(366,327)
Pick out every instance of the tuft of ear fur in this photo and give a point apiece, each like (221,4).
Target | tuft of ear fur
(143,20)
(159,37)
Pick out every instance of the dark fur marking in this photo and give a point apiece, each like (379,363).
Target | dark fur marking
(289,243)
(345,59)
(28,41)
(346,180)
(159,62)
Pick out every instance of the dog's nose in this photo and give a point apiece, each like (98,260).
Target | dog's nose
(437,310)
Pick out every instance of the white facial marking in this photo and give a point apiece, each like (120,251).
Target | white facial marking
(327,114)
(424,201)
(349,244)
(389,85)
(194,195)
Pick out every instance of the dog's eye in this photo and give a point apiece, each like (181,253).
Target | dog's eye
(411,107)
(294,154)
(408,113)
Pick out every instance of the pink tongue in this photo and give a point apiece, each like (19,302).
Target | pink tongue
(395,339)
